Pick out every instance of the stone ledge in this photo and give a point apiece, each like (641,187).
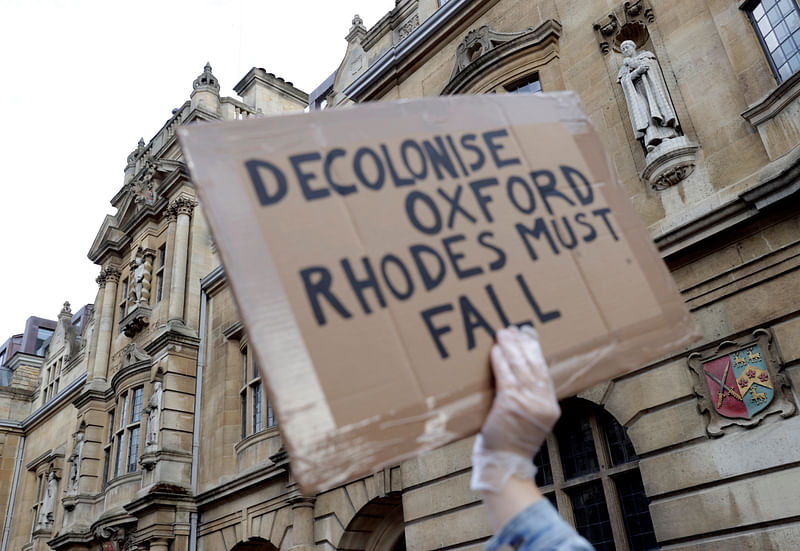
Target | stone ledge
(773,103)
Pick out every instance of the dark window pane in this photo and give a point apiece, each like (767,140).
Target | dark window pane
(793,21)
(576,445)
(591,515)
(774,15)
(544,473)
(633,500)
(551,497)
(271,420)
(244,414)
(110,426)
(620,447)
(781,31)
(133,452)
(257,407)
(136,411)
(120,455)
(106,461)
(42,340)
(529,85)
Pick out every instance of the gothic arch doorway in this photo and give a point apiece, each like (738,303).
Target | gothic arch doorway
(378,526)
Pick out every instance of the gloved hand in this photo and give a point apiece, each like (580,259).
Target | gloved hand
(523,413)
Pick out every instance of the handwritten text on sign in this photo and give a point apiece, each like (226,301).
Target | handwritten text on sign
(536,195)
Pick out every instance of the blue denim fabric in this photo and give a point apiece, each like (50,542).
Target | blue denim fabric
(538,528)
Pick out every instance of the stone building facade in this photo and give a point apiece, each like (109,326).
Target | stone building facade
(162,437)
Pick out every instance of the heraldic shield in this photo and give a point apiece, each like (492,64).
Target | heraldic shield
(739,383)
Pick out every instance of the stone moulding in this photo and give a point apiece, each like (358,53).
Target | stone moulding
(671,162)
(484,52)
(774,102)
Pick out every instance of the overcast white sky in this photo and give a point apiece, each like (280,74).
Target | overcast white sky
(83,80)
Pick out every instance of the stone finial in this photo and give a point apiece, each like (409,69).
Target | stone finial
(357,31)
(206,80)
(66,309)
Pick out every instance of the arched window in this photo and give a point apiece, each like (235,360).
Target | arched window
(589,471)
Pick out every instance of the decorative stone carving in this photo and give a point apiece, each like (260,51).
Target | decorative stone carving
(740,383)
(118,538)
(153,411)
(206,80)
(628,21)
(111,274)
(182,205)
(357,31)
(141,269)
(670,157)
(479,42)
(132,354)
(101,279)
(75,461)
(143,187)
(45,520)
(407,27)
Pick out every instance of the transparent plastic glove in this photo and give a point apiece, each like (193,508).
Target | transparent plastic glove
(523,413)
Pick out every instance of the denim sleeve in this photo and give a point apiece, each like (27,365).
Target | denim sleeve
(538,528)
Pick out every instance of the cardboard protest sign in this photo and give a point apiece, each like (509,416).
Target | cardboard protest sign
(373,252)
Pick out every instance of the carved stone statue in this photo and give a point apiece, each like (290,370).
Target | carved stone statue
(75,460)
(138,278)
(153,411)
(46,512)
(651,111)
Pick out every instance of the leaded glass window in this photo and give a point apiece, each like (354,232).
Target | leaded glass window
(777,23)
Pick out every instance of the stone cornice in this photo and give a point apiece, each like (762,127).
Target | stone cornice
(773,103)
(778,182)
(214,280)
(239,484)
(275,83)
(419,46)
(172,334)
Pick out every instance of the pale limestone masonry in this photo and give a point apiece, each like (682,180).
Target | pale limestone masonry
(729,232)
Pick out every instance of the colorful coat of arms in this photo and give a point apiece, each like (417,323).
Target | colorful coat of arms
(739,383)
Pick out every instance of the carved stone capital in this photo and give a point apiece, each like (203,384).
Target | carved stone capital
(183,205)
(101,279)
(112,274)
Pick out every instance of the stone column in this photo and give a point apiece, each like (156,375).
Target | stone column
(183,207)
(159,545)
(105,331)
(98,307)
(303,523)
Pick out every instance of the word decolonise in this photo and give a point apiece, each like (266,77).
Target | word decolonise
(556,209)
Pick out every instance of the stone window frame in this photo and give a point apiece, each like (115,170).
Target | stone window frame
(38,502)
(108,448)
(51,380)
(123,302)
(160,270)
(260,419)
(556,488)
(749,6)
(128,426)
